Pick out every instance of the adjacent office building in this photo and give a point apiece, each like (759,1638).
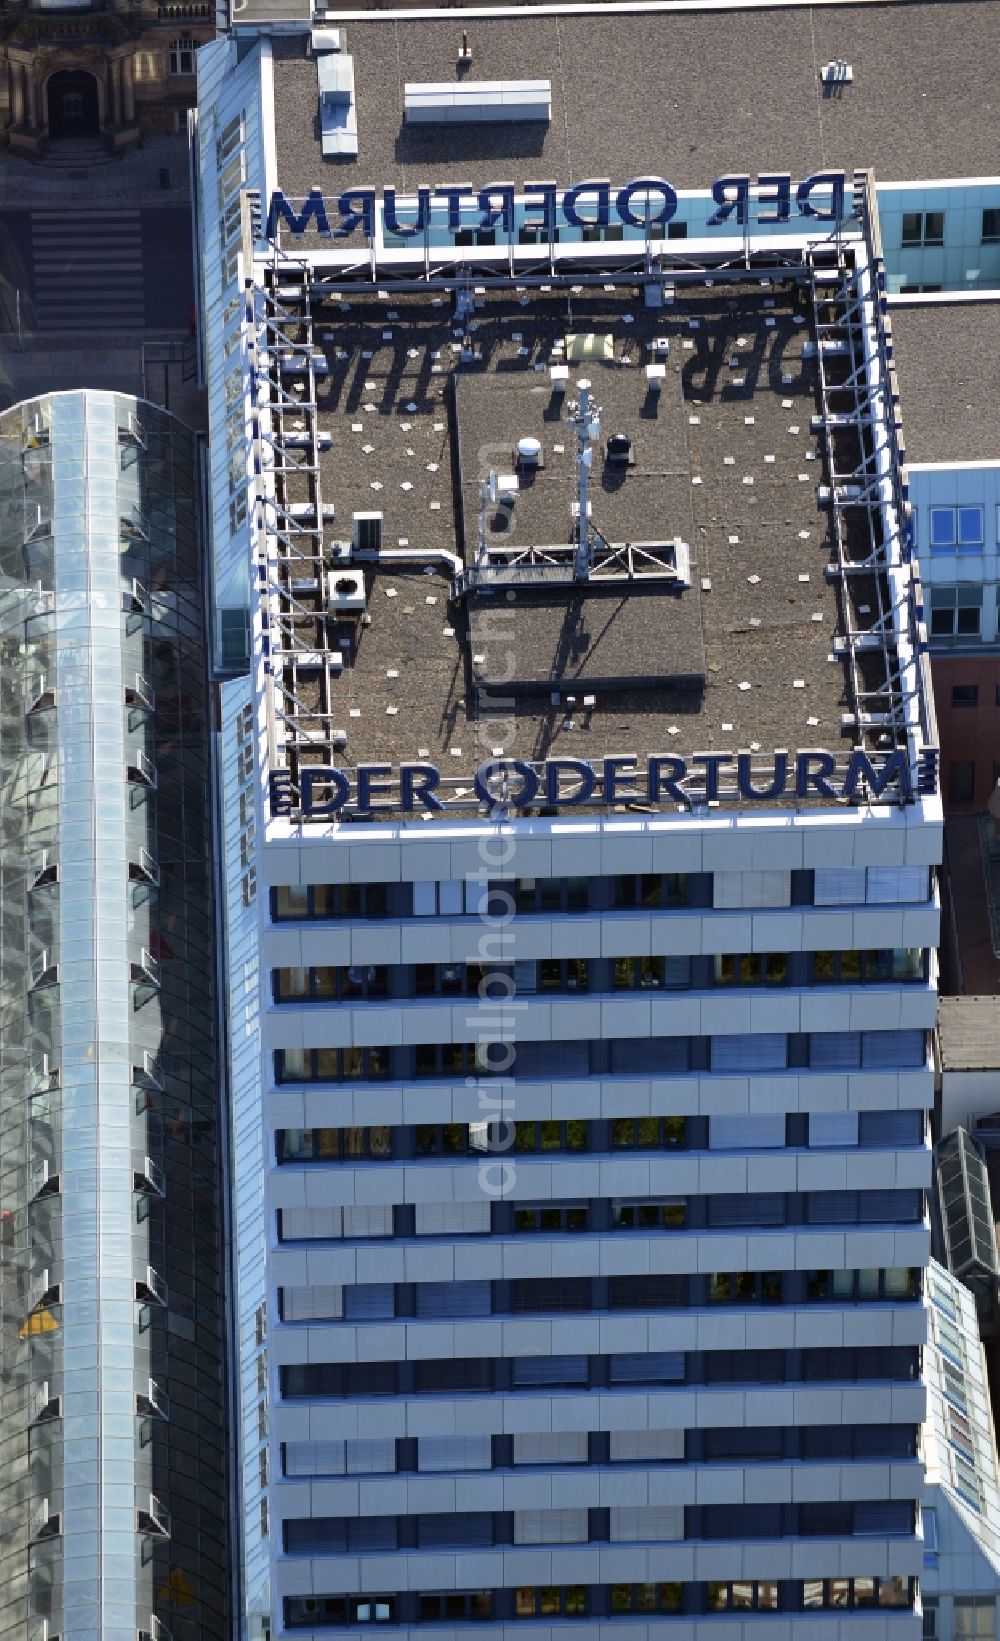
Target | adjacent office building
(948,362)
(961,1502)
(113,1481)
(581,1036)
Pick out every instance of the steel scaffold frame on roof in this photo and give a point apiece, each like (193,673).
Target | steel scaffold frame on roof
(291,553)
(290,542)
(844,315)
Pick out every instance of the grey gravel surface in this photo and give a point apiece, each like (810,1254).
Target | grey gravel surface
(685,95)
(948,360)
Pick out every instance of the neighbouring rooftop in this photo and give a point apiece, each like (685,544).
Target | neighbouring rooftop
(948,359)
(969,1033)
(688,94)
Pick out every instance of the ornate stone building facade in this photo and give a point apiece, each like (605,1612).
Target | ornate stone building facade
(112,69)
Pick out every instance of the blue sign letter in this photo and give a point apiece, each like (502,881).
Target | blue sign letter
(928,763)
(545,202)
(334,778)
(602,198)
(894,768)
(280,791)
(502,213)
(280,211)
(664,774)
(809,780)
(713,762)
(744,765)
(370,786)
(418,781)
(392,222)
(351,217)
(780,197)
(834,180)
(722,188)
(613,769)
(646,187)
(454,193)
(498,771)
(572,766)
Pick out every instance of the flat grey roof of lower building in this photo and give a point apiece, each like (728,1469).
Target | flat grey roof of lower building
(948,362)
(270,11)
(969,1033)
(689,95)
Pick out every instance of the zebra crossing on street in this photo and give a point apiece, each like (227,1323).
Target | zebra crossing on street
(88,270)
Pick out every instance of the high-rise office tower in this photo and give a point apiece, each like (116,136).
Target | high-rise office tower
(581,833)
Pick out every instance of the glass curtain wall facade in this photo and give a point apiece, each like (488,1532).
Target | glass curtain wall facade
(112,1481)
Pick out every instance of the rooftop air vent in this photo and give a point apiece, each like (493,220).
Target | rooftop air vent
(338,113)
(502,489)
(477,102)
(837,72)
(618,451)
(367,532)
(345,592)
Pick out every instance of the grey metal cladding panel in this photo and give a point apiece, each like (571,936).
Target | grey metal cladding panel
(525,105)
(414,89)
(427,88)
(340,144)
(335,73)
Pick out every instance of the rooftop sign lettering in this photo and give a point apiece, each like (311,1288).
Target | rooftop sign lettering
(562,783)
(644,202)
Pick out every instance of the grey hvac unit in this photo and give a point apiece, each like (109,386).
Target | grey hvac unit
(477,102)
(338,114)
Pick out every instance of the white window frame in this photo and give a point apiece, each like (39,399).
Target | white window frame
(956,543)
(946,598)
(922,240)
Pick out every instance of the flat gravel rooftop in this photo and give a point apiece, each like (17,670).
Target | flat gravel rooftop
(688,95)
(948,361)
(725,459)
(969,1033)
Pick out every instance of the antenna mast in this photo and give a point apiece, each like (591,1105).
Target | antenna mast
(586,418)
